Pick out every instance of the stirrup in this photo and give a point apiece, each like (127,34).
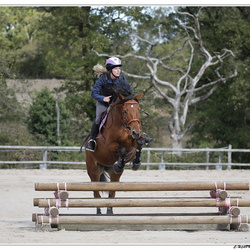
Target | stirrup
(91,146)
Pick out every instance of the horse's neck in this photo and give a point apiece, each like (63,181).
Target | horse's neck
(114,117)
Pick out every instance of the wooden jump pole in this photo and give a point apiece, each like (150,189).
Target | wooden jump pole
(141,186)
(145,220)
(105,202)
(35,215)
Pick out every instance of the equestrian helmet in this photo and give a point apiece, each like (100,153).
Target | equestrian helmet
(113,62)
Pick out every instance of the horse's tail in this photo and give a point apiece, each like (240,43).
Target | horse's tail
(104,177)
(99,69)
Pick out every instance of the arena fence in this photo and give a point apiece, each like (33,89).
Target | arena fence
(152,158)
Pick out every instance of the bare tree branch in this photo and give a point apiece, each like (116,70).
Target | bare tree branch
(136,76)
(202,98)
(184,91)
(162,93)
(122,56)
(175,51)
(188,69)
(216,84)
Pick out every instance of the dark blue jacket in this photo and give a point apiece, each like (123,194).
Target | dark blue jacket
(105,86)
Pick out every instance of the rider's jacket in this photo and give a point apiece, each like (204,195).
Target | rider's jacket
(105,86)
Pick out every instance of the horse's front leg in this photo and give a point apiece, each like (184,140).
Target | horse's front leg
(140,142)
(97,195)
(137,160)
(120,164)
(111,196)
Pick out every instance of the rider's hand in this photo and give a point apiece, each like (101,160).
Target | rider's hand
(107,98)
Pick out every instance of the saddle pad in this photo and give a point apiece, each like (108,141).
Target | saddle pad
(103,121)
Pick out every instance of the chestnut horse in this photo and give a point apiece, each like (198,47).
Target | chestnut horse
(117,144)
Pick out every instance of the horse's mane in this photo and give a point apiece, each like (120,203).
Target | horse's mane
(122,90)
(126,93)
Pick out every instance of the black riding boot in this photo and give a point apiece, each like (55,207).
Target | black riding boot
(91,145)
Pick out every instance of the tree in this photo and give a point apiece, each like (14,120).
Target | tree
(84,28)
(224,118)
(13,130)
(186,87)
(43,119)
(21,52)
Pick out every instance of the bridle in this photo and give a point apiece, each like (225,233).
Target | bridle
(128,100)
(123,118)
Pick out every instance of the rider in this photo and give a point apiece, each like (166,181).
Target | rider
(102,92)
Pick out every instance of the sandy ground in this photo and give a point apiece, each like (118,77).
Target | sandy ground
(17,193)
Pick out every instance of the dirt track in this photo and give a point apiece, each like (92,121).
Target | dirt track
(17,193)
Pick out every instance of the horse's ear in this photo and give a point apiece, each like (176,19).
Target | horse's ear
(138,97)
(121,96)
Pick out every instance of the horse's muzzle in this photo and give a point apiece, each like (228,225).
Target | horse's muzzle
(136,134)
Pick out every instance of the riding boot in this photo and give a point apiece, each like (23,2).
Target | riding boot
(91,145)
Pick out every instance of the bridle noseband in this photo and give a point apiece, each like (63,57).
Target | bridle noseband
(127,100)
(125,122)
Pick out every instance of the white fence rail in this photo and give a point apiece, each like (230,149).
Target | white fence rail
(161,154)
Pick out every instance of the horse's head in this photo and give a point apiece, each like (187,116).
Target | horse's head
(130,113)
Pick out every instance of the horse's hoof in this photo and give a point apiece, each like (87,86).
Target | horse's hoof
(98,211)
(136,166)
(109,210)
(118,169)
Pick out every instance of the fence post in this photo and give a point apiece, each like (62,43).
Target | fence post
(45,154)
(229,156)
(219,167)
(162,166)
(207,159)
(148,160)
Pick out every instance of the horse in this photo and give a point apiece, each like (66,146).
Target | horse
(117,143)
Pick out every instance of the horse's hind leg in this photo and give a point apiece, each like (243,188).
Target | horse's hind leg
(113,178)
(94,172)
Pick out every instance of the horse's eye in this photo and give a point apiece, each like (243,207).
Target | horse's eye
(124,112)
